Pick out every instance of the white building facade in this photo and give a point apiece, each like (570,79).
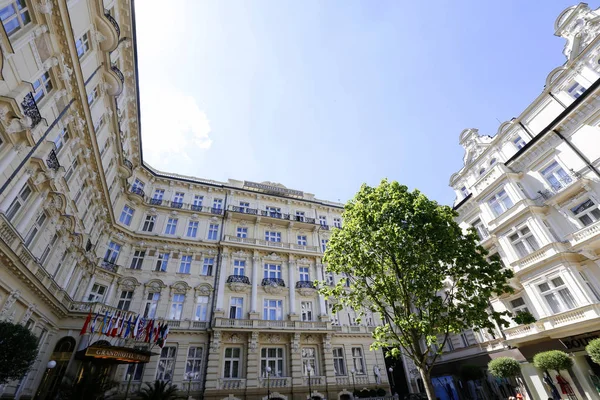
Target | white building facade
(86,228)
(532,192)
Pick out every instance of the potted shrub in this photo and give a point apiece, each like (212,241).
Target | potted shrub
(524,318)
(552,360)
(593,349)
(504,367)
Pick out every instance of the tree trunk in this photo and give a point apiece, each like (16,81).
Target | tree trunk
(426,377)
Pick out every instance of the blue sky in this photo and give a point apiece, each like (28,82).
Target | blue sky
(322,96)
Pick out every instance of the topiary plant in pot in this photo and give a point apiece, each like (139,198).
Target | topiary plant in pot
(593,349)
(552,360)
(504,367)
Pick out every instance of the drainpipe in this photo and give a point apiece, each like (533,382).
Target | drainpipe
(214,299)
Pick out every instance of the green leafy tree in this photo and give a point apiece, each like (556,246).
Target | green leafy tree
(504,367)
(159,390)
(552,360)
(593,349)
(408,260)
(19,350)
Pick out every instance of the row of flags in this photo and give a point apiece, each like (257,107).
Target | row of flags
(123,325)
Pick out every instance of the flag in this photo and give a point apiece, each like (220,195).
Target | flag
(136,327)
(85,324)
(115,327)
(149,328)
(127,328)
(104,322)
(166,333)
(122,326)
(94,322)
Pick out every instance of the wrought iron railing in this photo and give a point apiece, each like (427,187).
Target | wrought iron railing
(238,278)
(273,281)
(216,210)
(88,245)
(556,187)
(305,284)
(137,191)
(156,202)
(113,22)
(52,161)
(118,72)
(109,266)
(195,207)
(128,164)
(31,109)
(176,204)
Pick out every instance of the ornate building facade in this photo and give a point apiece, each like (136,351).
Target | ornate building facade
(532,192)
(87,228)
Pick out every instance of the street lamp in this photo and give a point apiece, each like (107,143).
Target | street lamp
(309,370)
(393,384)
(51,364)
(268,369)
(353,371)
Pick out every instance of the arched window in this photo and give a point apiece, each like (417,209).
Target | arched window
(492,161)
(65,345)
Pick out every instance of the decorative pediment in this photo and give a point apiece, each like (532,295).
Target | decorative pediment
(272,257)
(180,287)
(129,283)
(473,143)
(240,254)
(204,289)
(155,285)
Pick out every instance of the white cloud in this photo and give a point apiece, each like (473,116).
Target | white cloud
(173,125)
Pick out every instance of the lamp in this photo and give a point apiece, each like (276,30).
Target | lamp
(268,369)
(353,371)
(309,370)
(393,384)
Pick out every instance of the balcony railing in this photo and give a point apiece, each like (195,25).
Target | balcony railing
(232,384)
(118,72)
(128,164)
(266,243)
(275,382)
(137,190)
(176,204)
(217,211)
(156,202)
(109,266)
(52,161)
(238,279)
(273,281)
(275,324)
(556,187)
(273,214)
(305,284)
(31,110)
(113,22)
(324,227)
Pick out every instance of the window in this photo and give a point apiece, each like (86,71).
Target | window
(557,295)
(306,311)
(171,226)
(213,231)
(201,308)
(304,276)
(339,365)
(177,200)
(193,363)
(18,202)
(500,202)
(576,90)
(302,240)
(92,96)
(589,285)
(161,262)
(98,124)
(492,161)
(242,232)
(149,223)
(61,139)
(481,171)
(358,361)
(524,242)
(244,206)
(217,206)
(271,357)
(348,281)
(518,305)
(274,212)
(518,142)
(97,293)
(239,267)
(42,86)
(337,222)
(192,229)
(138,259)
(586,212)
(83,45)
(197,204)
(231,362)
(324,244)
(309,358)
(166,363)
(330,279)
(271,236)
(72,168)
(125,300)
(158,197)
(480,228)
(273,310)
(185,265)
(15,16)
(236,307)
(151,305)
(207,266)
(300,215)
(322,220)
(37,226)
(556,176)
(126,215)
(112,252)
(177,306)
(137,184)
(137,370)
(272,271)
(465,339)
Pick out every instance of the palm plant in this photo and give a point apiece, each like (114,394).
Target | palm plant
(159,390)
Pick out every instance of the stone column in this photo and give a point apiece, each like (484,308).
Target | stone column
(223,267)
(74,283)
(296,363)
(254,314)
(323,316)
(252,364)
(89,286)
(212,367)
(110,294)
(292,286)
(31,211)
(14,191)
(328,370)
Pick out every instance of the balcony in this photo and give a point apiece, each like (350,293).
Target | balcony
(238,283)
(138,191)
(539,256)
(238,279)
(273,282)
(155,202)
(186,325)
(324,227)
(109,266)
(263,324)
(115,80)
(266,243)
(52,161)
(126,168)
(31,110)
(253,212)
(584,235)
(275,382)
(217,211)
(109,28)
(353,329)
(113,22)
(314,380)
(562,189)
(176,204)
(305,285)
(232,384)
(347,380)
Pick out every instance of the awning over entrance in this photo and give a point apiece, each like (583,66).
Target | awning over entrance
(114,354)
